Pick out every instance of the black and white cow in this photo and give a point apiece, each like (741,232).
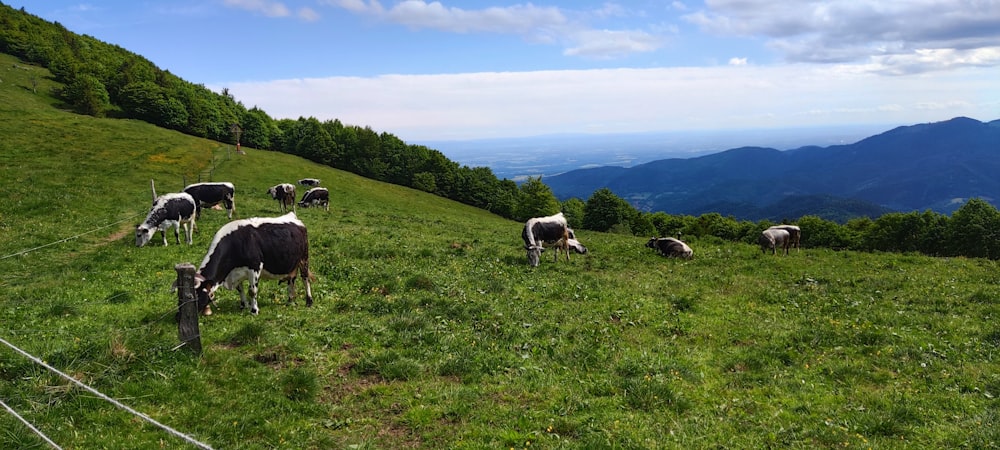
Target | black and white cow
(309,182)
(794,234)
(551,230)
(211,194)
(284,193)
(252,249)
(774,238)
(169,210)
(316,196)
(670,247)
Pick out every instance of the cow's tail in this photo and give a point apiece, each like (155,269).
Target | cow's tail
(152,187)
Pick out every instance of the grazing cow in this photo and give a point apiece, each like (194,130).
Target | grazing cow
(284,193)
(551,230)
(670,247)
(794,234)
(251,249)
(309,182)
(169,210)
(772,238)
(316,196)
(211,194)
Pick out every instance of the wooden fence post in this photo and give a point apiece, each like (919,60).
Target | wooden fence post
(187,306)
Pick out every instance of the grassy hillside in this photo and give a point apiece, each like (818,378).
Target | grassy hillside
(429,330)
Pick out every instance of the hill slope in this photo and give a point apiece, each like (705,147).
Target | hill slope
(933,166)
(429,330)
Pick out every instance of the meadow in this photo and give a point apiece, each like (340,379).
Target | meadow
(429,329)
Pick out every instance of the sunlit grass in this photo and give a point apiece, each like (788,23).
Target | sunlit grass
(430,330)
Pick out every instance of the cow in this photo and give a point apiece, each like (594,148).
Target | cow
(550,230)
(211,194)
(772,238)
(316,196)
(169,210)
(670,247)
(284,193)
(794,234)
(252,249)
(309,182)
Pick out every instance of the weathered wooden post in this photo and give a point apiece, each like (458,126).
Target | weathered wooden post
(187,308)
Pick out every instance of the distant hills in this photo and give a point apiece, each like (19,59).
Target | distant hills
(936,166)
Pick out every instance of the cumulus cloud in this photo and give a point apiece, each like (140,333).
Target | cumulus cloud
(895,36)
(533,23)
(270,8)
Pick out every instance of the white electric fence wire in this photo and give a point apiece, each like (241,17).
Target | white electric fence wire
(30,426)
(172,431)
(66,239)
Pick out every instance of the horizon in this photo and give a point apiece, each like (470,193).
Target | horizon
(463,70)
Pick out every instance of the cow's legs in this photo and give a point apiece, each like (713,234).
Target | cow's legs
(254,289)
(243,295)
(291,289)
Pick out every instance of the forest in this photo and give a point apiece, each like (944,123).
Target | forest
(105,80)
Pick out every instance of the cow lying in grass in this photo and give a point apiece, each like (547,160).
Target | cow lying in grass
(670,247)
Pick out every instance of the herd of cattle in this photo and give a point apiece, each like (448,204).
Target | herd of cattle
(555,231)
(278,248)
(242,250)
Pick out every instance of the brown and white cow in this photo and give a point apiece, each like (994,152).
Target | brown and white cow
(284,193)
(252,249)
(551,230)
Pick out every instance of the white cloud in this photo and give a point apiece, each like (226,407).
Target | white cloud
(308,14)
(494,104)
(737,61)
(265,7)
(896,35)
(532,23)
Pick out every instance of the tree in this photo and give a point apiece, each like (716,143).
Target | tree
(573,210)
(972,230)
(536,200)
(424,181)
(604,210)
(87,95)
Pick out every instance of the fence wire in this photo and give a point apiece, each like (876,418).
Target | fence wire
(120,405)
(30,426)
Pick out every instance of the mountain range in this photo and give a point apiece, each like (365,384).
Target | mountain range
(934,166)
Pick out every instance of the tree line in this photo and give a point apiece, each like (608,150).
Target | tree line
(105,80)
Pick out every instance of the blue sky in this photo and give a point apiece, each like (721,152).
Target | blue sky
(451,70)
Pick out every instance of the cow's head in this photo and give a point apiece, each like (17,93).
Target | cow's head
(534,254)
(576,246)
(204,291)
(651,243)
(143,233)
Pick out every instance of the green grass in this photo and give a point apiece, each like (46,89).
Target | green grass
(429,330)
